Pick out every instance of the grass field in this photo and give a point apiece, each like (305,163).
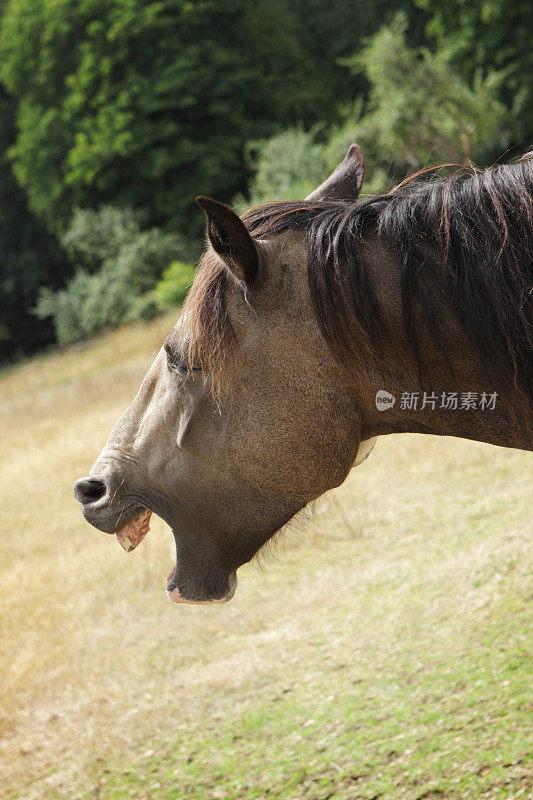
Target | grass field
(383,653)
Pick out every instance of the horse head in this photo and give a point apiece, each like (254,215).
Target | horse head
(243,418)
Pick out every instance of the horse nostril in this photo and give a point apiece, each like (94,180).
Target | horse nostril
(89,490)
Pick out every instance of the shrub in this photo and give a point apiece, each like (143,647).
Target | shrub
(287,166)
(87,304)
(420,110)
(94,236)
(174,285)
(115,282)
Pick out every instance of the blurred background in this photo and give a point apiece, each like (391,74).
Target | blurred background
(386,651)
(113,116)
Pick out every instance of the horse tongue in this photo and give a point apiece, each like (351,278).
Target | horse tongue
(134,531)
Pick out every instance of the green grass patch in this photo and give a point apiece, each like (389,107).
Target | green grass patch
(432,707)
(385,652)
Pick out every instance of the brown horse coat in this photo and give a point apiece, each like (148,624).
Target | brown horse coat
(311,329)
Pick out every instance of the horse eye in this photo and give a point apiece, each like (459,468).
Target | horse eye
(178,366)
(177,363)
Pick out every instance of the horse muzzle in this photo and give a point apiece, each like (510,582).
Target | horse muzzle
(102,505)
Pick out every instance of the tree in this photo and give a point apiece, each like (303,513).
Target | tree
(29,256)
(491,35)
(144,104)
(420,111)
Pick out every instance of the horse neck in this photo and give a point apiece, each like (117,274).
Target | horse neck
(491,425)
(435,398)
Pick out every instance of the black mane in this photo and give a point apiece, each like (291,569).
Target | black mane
(465,240)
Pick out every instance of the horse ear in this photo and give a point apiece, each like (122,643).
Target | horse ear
(347,180)
(230,239)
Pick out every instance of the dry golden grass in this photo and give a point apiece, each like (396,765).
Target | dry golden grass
(95,662)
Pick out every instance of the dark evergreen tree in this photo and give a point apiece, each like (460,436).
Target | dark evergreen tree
(145,104)
(29,256)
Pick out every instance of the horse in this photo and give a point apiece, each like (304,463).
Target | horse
(312,328)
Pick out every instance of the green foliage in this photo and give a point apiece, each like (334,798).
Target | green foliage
(89,303)
(94,236)
(491,35)
(420,110)
(143,104)
(121,265)
(172,289)
(148,103)
(331,30)
(286,166)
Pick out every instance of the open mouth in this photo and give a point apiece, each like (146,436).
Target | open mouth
(132,534)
